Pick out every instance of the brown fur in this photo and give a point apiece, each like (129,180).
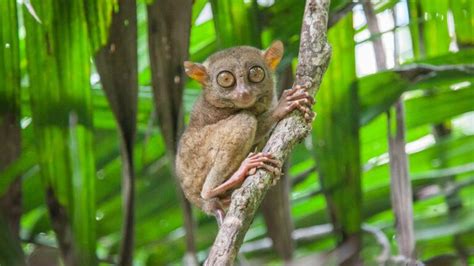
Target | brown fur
(224,128)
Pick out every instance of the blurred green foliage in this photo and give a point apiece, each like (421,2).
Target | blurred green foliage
(70,144)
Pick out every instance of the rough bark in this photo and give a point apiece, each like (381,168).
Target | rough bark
(117,65)
(277,214)
(169,28)
(276,207)
(314,55)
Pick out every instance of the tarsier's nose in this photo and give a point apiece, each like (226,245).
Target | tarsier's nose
(244,94)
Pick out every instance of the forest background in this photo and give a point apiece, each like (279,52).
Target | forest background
(93,99)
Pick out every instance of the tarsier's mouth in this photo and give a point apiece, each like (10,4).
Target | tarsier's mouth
(241,103)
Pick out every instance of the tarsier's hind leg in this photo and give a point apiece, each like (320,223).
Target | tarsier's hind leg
(233,161)
(248,166)
(230,143)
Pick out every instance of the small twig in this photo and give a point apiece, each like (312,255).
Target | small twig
(303,234)
(31,10)
(341,13)
(302,176)
(434,190)
(416,72)
(40,243)
(382,240)
(404,261)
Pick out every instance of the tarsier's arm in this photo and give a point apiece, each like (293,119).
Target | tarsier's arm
(294,98)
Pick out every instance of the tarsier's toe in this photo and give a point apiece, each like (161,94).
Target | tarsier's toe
(298,98)
(309,115)
(264,161)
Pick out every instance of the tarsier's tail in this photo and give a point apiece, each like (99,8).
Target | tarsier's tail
(214,207)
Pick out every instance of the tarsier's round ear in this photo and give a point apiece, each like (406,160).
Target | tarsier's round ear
(273,54)
(196,71)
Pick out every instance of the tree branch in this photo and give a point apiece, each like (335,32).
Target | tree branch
(302,176)
(298,235)
(313,60)
(341,13)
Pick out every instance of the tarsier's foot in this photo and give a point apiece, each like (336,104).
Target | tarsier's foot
(274,167)
(296,98)
(260,160)
(248,167)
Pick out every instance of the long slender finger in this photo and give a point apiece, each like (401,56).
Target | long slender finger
(297,96)
(271,169)
(275,162)
(267,154)
(303,108)
(308,117)
(300,87)
(266,160)
(305,101)
(253,165)
(261,154)
(291,91)
(254,155)
(292,106)
(307,112)
(260,159)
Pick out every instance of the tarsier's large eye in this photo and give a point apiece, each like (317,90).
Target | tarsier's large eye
(225,79)
(256,74)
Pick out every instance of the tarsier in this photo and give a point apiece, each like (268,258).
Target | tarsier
(232,118)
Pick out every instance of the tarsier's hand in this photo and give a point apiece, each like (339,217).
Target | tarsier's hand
(295,98)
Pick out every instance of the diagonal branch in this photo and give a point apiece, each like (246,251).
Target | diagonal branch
(313,60)
(341,13)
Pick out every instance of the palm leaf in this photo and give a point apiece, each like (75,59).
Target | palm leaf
(10,188)
(58,66)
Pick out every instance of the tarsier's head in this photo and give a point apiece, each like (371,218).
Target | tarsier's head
(237,77)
